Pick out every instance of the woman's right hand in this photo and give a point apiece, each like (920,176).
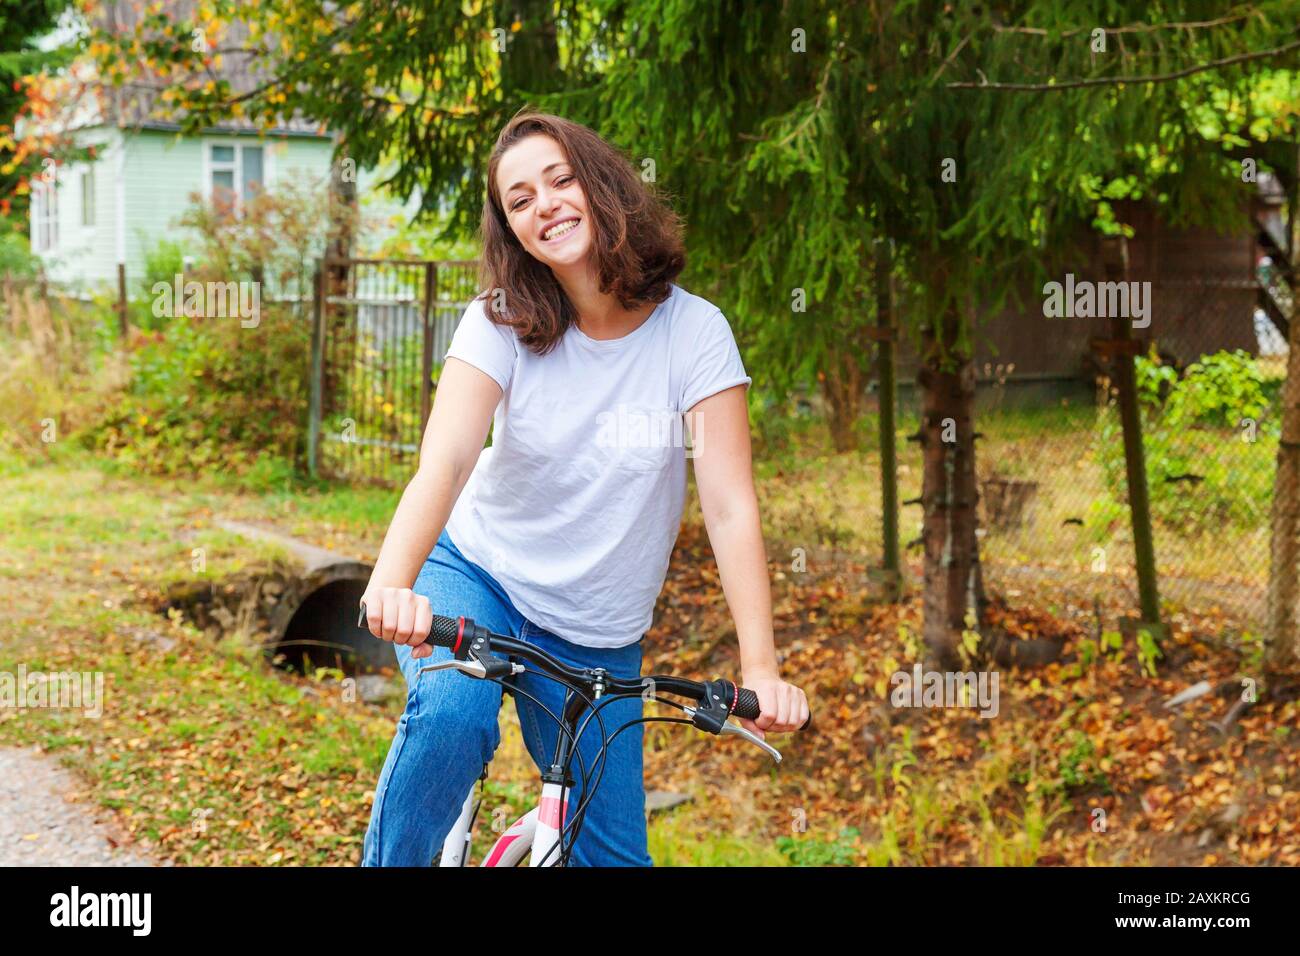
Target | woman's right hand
(401,616)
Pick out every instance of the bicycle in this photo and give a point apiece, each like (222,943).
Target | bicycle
(547,830)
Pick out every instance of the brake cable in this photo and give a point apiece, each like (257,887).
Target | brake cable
(572,829)
(573,747)
(589,793)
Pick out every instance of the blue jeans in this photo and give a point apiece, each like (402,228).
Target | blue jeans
(449,731)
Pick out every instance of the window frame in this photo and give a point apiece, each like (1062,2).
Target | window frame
(88,196)
(45,214)
(235,166)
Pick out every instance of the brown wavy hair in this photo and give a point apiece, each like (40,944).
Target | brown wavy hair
(636,238)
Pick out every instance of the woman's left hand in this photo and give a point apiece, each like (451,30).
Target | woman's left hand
(782,707)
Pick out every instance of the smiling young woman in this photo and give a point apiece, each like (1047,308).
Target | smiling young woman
(580,349)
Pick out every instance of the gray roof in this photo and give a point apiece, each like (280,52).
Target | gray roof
(138,103)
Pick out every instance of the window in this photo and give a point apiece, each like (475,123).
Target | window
(233,164)
(223,168)
(251,177)
(88,196)
(45,215)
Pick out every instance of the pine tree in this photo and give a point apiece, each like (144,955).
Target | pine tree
(977,139)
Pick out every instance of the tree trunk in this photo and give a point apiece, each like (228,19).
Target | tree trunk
(844,387)
(886,391)
(339,340)
(1283,579)
(949,495)
(1115,256)
(1283,634)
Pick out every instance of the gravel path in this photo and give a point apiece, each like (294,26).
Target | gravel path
(42,825)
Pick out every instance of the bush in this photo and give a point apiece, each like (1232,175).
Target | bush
(211,394)
(1221,390)
(1222,403)
(16,259)
(162,263)
(57,370)
(786,426)
(842,850)
(273,238)
(206,393)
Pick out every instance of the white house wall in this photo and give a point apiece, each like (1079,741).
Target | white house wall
(84,256)
(164,171)
(153,174)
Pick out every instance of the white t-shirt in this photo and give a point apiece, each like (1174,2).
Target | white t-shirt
(576,504)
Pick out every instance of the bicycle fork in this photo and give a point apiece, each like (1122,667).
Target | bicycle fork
(455,849)
(551,813)
(556,786)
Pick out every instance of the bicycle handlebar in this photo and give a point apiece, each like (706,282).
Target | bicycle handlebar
(450,632)
(453,633)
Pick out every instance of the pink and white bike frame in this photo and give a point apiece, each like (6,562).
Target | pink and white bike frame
(538,830)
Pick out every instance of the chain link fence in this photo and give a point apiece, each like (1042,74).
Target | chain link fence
(1053,487)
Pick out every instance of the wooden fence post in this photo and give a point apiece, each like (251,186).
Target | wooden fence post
(1115,254)
(317,361)
(426,361)
(121,298)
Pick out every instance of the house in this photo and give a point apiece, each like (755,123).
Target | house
(90,216)
(94,215)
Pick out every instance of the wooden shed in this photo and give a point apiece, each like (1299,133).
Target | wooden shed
(1207,292)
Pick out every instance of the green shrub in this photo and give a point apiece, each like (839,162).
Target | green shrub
(16,257)
(1209,438)
(842,850)
(162,263)
(1221,390)
(211,394)
(1080,764)
(206,393)
(785,426)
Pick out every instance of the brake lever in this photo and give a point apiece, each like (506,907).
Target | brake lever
(472,668)
(729,728)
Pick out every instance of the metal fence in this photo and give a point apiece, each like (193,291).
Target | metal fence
(381,326)
(1054,499)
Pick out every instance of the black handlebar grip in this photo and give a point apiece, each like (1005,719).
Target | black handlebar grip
(746,704)
(443,633)
(747,707)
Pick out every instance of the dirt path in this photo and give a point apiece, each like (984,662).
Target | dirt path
(41,822)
